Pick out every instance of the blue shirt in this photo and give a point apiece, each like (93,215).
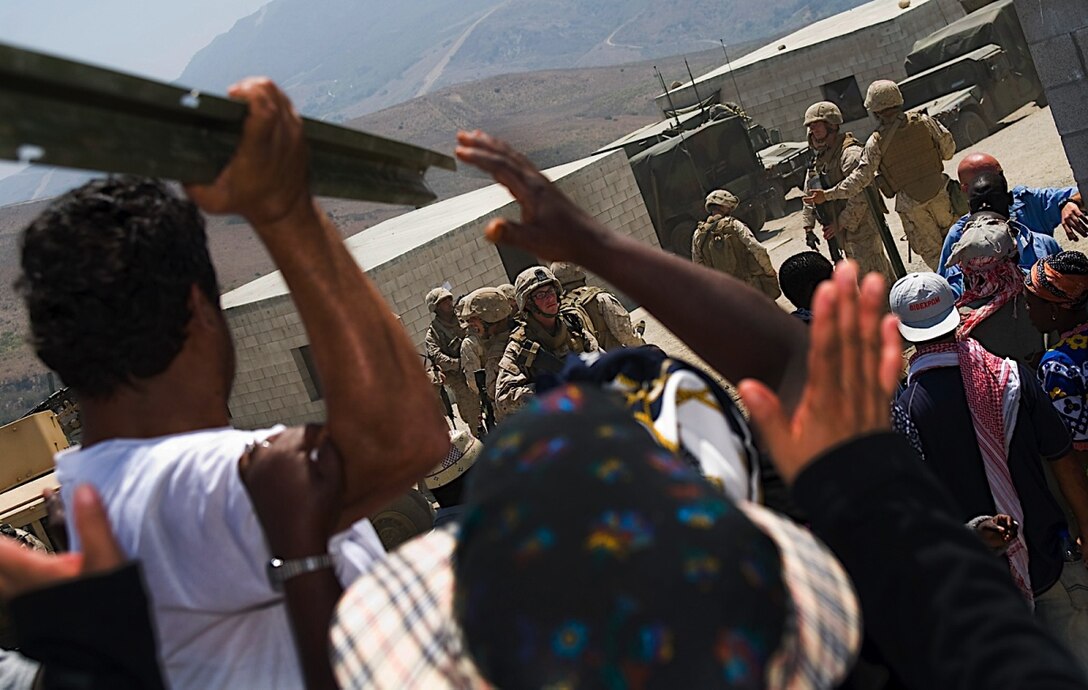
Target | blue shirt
(1037,211)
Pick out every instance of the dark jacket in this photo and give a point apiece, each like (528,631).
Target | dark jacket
(940,608)
(92,633)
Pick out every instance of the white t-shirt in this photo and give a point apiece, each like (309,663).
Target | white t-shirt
(177,503)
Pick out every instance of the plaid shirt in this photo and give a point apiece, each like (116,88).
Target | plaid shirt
(394,627)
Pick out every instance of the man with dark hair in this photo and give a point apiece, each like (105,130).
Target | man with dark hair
(124,305)
(1038,210)
(799,275)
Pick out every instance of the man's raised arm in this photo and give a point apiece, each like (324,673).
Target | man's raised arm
(381,413)
(736,329)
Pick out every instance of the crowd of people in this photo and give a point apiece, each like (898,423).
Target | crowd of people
(615,528)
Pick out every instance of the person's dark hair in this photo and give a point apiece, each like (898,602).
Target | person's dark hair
(1070,263)
(800,274)
(990,192)
(107,271)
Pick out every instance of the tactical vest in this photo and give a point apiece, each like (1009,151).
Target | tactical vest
(535,359)
(912,161)
(828,165)
(449,340)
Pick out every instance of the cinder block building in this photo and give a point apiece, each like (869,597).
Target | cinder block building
(834,59)
(406,256)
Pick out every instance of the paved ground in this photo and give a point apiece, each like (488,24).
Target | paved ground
(1028,147)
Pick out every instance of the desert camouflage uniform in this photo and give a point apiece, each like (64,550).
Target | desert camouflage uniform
(858,233)
(494,349)
(609,321)
(472,356)
(726,244)
(531,351)
(925,221)
(444,347)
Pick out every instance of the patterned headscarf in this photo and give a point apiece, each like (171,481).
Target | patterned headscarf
(589,556)
(987,255)
(1061,279)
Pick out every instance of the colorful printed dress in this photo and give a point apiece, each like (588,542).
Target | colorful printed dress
(1063,372)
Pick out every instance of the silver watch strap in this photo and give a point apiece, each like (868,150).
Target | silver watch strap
(279,570)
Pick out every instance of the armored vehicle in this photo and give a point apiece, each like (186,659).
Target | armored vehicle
(973,72)
(675,175)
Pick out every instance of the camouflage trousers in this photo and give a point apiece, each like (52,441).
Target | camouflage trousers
(863,244)
(926,224)
(468,401)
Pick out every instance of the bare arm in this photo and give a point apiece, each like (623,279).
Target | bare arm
(1073,482)
(362,354)
(750,337)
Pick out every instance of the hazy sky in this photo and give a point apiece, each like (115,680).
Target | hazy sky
(153,38)
(149,37)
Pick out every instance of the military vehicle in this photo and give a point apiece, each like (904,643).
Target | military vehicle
(683,154)
(676,174)
(972,73)
(27,447)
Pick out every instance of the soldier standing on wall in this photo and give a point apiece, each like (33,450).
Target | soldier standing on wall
(443,345)
(540,343)
(834,156)
(907,151)
(610,322)
(724,243)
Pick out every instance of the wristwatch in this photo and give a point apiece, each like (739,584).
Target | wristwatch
(280,571)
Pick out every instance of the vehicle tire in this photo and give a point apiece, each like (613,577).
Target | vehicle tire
(407,516)
(680,238)
(776,200)
(754,217)
(970,129)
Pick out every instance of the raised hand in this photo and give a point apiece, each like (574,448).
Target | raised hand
(854,362)
(552,226)
(298,468)
(268,178)
(1074,221)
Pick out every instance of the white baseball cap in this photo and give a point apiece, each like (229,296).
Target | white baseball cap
(925,305)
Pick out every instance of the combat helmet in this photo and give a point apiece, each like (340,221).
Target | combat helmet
(882,95)
(464,449)
(824,111)
(435,296)
(723,198)
(488,304)
(531,279)
(567,273)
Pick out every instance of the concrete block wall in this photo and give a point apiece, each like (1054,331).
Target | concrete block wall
(1057,31)
(271,386)
(777,91)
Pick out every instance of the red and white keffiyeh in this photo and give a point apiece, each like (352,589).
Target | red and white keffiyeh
(992,387)
(997,279)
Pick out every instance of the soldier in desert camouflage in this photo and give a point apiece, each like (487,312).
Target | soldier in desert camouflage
(610,322)
(835,155)
(724,243)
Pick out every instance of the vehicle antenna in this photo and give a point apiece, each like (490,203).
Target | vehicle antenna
(695,88)
(668,96)
(740,99)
